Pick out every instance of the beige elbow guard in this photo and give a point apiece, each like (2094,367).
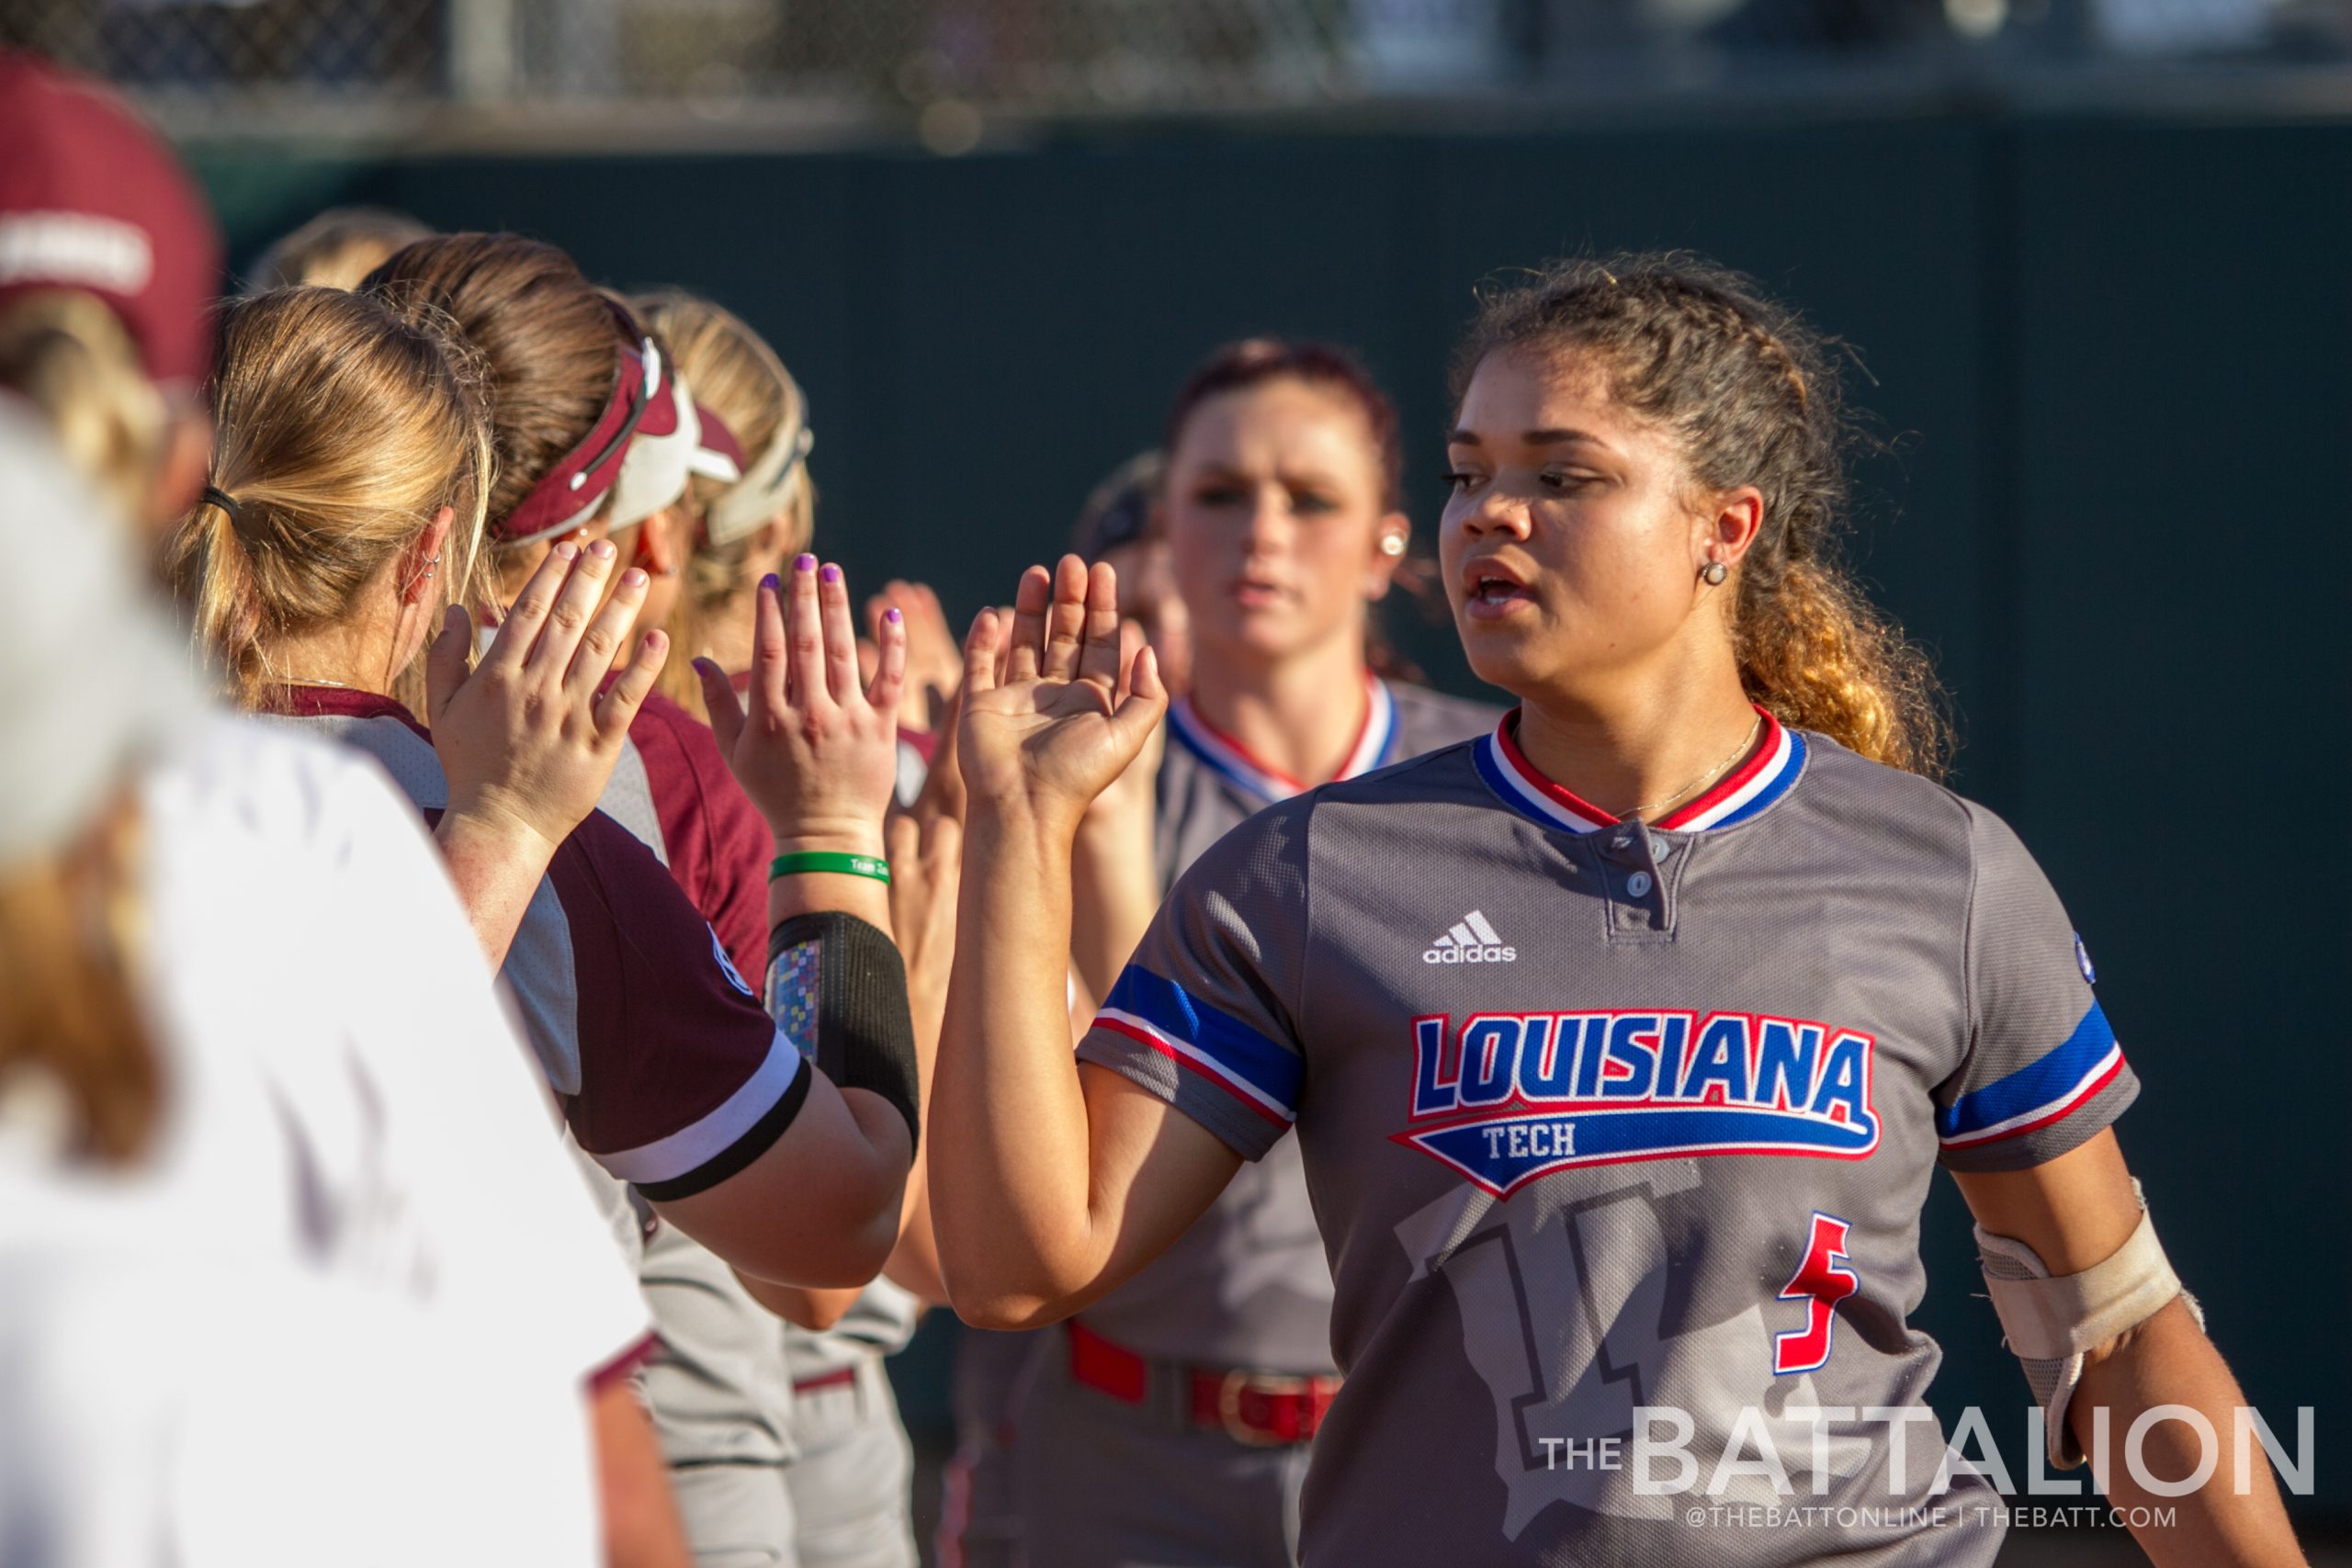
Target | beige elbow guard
(2051,1322)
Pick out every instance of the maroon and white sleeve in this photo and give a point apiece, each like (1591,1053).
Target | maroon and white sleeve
(683,1078)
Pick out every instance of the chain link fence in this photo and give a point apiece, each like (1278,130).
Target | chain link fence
(300,66)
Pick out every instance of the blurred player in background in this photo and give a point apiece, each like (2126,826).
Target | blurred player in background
(1121,524)
(112,263)
(337,249)
(783,1441)
(1124,526)
(1173,1426)
(179,899)
(157,1060)
(1538,1005)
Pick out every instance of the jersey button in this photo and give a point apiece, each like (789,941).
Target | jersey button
(1638,884)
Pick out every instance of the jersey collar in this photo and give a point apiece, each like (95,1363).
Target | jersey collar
(1230,761)
(336,702)
(1739,795)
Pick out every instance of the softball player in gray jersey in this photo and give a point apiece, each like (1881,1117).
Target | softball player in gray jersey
(1226,1336)
(1172,1424)
(1640,1160)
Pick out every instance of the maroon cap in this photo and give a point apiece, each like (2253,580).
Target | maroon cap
(90,198)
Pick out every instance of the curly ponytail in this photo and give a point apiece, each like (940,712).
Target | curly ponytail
(1752,395)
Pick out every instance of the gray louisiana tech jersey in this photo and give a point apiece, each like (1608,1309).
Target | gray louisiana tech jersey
(1601,1117)
(1248,1285)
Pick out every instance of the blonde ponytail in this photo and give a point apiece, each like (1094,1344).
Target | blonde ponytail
(67,353)
(341,429)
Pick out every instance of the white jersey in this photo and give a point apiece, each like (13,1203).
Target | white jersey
(346,1309)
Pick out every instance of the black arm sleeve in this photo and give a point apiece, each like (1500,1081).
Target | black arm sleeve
(864,1035)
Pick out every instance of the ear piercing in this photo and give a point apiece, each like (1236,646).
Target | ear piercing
(1390,546)
(1713,573)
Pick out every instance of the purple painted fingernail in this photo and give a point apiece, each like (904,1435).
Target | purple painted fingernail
(804,563)
(704,667)
(892,614)
(773,583)
(830,574)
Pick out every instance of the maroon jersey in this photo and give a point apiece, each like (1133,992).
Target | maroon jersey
(673,790)
(669,1074)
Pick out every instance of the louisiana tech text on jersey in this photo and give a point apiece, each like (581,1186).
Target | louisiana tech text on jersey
(1512,1096)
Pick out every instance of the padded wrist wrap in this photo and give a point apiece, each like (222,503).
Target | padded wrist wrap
(846,978)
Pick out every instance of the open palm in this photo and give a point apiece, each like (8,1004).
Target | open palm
(1049,718)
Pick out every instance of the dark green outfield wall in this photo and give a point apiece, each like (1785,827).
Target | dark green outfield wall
(2113,353)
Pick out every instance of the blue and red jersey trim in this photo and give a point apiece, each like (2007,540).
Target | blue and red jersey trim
(1230,761)
(2039,1093)
(1766,775)
(1214,1045)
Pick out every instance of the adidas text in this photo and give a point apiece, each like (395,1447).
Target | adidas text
(1471,940)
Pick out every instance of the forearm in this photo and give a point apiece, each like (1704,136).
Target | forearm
(1116,890)
(2168,1360)
(820,1208)
(496,876)
(914,1263)
(640,1515)
(1009,1154)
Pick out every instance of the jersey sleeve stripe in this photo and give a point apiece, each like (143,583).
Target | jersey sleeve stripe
(1160,1013)
(725,1139)
(2038,1093)
(1193,1060)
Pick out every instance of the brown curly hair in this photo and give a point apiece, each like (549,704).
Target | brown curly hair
(1751,394)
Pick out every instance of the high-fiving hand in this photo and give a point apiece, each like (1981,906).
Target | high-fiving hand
(817,752)
(529,738)
(1050,731)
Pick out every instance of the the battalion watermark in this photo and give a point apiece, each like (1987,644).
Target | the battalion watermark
(1658,1460)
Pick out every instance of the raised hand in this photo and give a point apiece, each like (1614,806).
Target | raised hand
(1061,720)
(817,752)
(934,664)
(529,738)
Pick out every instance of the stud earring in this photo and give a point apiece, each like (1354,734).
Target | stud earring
(1713,573)
(1390,545)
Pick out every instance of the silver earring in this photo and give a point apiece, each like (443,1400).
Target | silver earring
(1713,573)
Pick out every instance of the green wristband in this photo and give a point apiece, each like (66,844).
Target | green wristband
(804,861)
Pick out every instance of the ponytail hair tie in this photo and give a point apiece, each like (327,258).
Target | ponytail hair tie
(216,496)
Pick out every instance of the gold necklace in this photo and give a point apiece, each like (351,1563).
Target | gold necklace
(314,680)
(1703,780)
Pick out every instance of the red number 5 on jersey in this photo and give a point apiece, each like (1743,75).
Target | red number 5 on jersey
(1821,1282)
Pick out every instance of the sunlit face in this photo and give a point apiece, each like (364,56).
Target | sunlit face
(1274,515)
(1572,540)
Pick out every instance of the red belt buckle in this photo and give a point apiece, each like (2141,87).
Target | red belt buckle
(1263,1410)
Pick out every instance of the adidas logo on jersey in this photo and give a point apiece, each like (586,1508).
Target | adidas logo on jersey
(1471,940)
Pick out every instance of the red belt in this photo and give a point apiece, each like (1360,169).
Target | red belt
(1260,1409)
(841,1378)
